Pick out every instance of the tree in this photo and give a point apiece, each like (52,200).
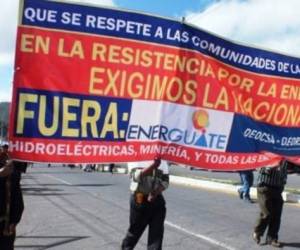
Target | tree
(4,106)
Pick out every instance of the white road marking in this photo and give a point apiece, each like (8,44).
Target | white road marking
(200,236)
(58,179)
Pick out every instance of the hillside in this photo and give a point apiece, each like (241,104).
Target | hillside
(4,106)
(4,112)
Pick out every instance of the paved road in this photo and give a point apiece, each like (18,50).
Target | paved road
(70,209)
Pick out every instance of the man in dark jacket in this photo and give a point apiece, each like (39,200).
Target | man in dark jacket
(270,185)
(11,201)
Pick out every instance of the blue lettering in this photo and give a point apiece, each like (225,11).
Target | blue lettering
(211,139)
(155,132)
(163,133)
(221,142)
(186,137)
(144,132)
(132,131)
(177,135)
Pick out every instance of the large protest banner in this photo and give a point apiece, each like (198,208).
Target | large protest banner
(95,84)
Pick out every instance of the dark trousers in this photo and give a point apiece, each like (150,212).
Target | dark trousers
(7,242)
(270,203)
(150,214)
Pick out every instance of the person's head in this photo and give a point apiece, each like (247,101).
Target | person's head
(4,148)
(20,166)
(157,162)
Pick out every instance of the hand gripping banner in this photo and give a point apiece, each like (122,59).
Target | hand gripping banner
(95,84)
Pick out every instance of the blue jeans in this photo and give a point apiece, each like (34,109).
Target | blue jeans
(247,182)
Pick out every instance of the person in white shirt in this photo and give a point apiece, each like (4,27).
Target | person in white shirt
(147,204)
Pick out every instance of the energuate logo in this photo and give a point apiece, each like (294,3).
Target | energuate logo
(169,131)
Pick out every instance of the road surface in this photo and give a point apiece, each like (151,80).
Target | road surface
(71,209)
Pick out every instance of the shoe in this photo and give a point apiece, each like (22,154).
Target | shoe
(273,242)
(248,200)
(240,194)
(256,237)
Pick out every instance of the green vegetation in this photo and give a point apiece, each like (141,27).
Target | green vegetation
(4,112)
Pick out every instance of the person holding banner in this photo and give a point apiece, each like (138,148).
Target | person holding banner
(5,163)
(11,200)
(147,204)
(270,185)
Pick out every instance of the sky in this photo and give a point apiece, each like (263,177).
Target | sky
(268,24)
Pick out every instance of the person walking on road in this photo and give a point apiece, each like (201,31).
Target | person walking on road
(147,205)
(111,167)
(270,185)
(247,182)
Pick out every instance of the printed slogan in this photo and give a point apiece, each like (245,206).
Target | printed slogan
(103,85)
